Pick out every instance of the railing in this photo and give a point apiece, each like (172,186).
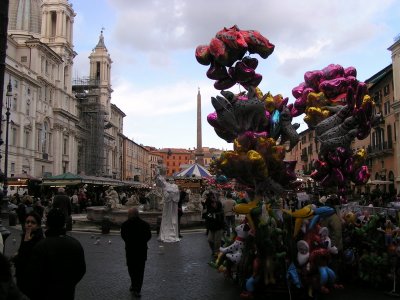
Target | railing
(384,147)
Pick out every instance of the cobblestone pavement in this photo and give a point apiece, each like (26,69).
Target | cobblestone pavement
(174,271)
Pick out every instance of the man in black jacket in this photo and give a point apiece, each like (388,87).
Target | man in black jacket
(57,263)
(136,233)
(63,202)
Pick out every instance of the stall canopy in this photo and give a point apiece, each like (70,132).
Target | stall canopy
(193,171)
(73,179)
(21,179)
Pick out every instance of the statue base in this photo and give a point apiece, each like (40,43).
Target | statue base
(117,216)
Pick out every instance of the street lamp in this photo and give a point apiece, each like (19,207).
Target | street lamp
(8,107)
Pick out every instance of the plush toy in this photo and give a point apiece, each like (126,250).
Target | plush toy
(389,230)
(234,251)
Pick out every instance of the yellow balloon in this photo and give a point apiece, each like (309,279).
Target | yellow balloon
(269,102)
(316,99)
(254,155)
(361,153)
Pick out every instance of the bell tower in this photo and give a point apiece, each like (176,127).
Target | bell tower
(100,72)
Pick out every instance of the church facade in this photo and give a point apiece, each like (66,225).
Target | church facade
(50,128)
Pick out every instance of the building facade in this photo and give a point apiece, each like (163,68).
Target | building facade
(173,158)
(395,52)
(50,127)
(135,162)
(101,122)
(39,59)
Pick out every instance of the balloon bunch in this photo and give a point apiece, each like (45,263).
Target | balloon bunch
(341,165)
(255,159)
(327,88)
(339,109)
(229,46)
(257,124)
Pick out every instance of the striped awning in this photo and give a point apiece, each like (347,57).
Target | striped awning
(194,170)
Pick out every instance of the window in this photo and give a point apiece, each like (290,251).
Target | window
(12,167)
(44,138)
(27,138)
(387,108)
(14,106)
(13,136)
(65,145)
(53,24)
(28,107)
(377,97)
(386,90)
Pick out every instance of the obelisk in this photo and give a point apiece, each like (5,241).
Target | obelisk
(199,154)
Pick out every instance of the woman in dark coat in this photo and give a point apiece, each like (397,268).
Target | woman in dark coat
(31,235)
(215,223)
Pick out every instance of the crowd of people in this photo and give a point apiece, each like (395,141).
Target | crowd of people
(48,264)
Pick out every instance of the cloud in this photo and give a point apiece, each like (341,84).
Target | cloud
(155,75)
(155,101)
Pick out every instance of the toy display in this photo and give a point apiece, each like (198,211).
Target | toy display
(284,248)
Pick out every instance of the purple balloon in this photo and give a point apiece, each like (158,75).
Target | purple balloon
(348,167)
(316,175)
(350,71)
(333,71)
(342,152)
(313,79)
(212,119)
(298,90)
(362,175)
(290,169)
(334,159)
(334,87)
(338,176)
(321,166)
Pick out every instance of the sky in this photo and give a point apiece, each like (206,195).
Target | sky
(156,77)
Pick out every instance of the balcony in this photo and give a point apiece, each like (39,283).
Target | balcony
(379,150)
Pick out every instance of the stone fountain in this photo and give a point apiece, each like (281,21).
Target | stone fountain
(151,212)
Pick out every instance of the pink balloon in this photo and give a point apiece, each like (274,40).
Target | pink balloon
(350,71)
(298,90)
(362,175)
(338,176)
(334,159)
(321,166)
(313,79)
(316,175)
(348,167)
(212,119)
(333,71)
(290,169)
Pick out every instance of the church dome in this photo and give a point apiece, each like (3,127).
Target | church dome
(25,16)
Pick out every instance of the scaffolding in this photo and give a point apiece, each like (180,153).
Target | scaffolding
(91,149)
